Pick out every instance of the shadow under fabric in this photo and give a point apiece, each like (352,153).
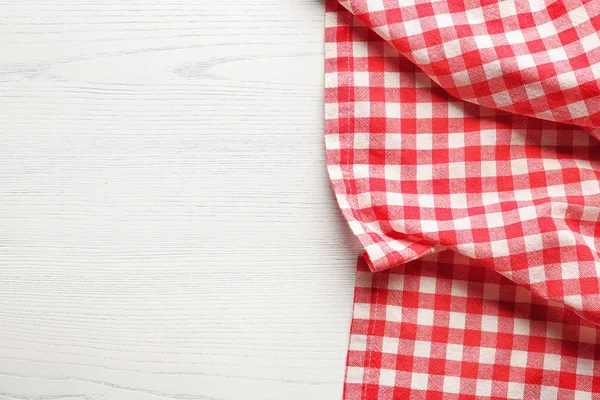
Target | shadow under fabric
(462,146)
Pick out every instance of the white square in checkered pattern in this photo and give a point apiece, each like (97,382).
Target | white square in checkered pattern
(392,172)
(574,300)
(515,37)
(331,112)
(454,352)
(488,137)
(596,72)
(553,329)
(361,140)
(358,342)
(487,355)
(457,320)
(519,166)
(459,288)
(444,20)
(548,392)
(394,199)
(364,279)
(429,225)
(518,358)
(456,110)
(393,313)
(398,224)
(391,79)
(451,384)
(362,109)
(456,170)
(362,310)
(590,42)
(361,79)
(390,345)
(392,110)
(383,31)
(578,109)
(534,90)
(393,141)
(466,249)
(507,9)
(395,282)
(581,395)
(356,226)
(419,381)
(424,141)
(570,271)
(590,186)
(331,81)
(551,164)
(494,220)
(552,362)
(413,27)
(330,48)
(500,248)
(360,49)
(533,242)
(452,48)
(546,29)
(364,201)
(332,141)
(427,285)
(376,5)
(354,374)
(425,317)
(502,99)
(578,15)
(458,200)
(484,387)
(426,200)
(521,326)
(492,69)
(361,171)
(422,348)
(460,77)
(475,15)
(424,172)
(536,5)
(374,251)
(526,213)
(484,41)
(489,323)
(558,54)
(456,140)
(585,366)
(424,110)
(567,80)
(387,377)
(516,391)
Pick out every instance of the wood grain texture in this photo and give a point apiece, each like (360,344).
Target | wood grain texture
(167,228)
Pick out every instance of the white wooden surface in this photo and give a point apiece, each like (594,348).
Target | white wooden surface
(167,228)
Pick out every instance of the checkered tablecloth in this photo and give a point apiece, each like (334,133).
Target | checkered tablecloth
(462,146)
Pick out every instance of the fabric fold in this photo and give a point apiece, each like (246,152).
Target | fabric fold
(535,58)
(417,171)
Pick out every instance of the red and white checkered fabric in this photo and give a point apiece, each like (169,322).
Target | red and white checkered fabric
(466,130)
(444,327)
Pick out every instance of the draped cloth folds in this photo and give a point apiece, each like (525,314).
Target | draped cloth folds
(462,146)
